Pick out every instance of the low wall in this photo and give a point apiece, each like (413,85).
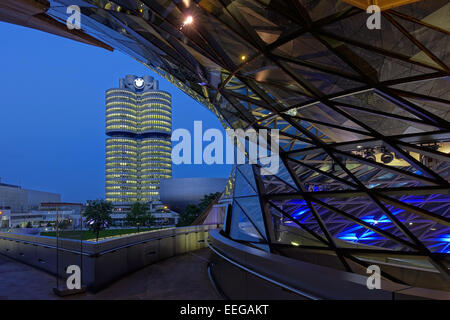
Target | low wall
(105,261)
(242,272)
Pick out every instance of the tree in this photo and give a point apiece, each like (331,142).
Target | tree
(192,211)
(63,224)
(188,216)
(29,225)
(139,215)
(206,201)
(98,215)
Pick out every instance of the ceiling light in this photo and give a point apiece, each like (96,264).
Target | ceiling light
(387,156)
(369,154)
(188,20)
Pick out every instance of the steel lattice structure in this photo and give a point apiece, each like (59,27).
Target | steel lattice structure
(363,115)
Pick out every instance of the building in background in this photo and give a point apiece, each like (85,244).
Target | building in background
(178,193)
(62,211)
(163,215)
(69,216)
(16,199)
(138,147)
(4,217)
(166,218)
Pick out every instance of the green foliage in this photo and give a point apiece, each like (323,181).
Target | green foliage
(206,201)
(139,215)
(192,211)
(188,215)
(29,225)
(98,215)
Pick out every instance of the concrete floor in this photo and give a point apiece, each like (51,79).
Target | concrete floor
(20,281)
(182,277)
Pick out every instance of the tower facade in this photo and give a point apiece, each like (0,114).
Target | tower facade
(138,147)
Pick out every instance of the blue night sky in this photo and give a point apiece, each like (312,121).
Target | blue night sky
(52,113)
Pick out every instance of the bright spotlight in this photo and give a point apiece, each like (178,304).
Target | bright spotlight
(188,20)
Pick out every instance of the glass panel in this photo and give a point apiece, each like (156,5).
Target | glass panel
(252,208)
(242,187)
(247,171)
(241,227)
(286,231)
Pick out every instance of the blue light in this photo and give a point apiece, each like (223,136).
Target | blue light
(365,235)
(373,221)
(350,236)
(299,202)
(443,238)
(422,199)
(306,218)
(299,213)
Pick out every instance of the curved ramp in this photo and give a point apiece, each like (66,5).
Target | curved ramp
(181,277)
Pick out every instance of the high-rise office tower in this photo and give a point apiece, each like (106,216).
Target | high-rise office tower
(138,149)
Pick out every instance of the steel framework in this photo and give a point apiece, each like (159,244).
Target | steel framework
(363,115)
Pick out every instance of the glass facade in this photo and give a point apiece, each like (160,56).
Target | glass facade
(363,117)
(138,150)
